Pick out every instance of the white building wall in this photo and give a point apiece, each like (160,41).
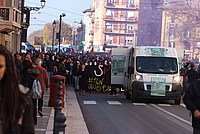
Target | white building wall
(88,28)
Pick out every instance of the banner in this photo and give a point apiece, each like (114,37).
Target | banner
(118,62)
(158,86)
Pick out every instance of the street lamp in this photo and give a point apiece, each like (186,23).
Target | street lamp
(62,15)
(43,2)
(54,26)
(25,18)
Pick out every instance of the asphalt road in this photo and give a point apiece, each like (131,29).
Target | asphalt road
(105,114)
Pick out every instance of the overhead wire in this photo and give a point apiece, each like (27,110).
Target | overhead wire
(57,9)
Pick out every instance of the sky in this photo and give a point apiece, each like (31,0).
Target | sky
(53,9)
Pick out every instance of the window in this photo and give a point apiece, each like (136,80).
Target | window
(130,14)
(156,65)
(130,1)
(110,1)
(108,25)
(109,13)
(129,27)
(129,39)
(109,39)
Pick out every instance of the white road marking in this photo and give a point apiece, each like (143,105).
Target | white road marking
(114,102)
(164,105)
(89,102)
(183,105)
(139,104)
(171,114)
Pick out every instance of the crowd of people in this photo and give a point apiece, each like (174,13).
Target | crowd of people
(19,114)
(191,97)
(18,110)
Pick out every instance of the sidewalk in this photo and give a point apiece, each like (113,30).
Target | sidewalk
(74,118)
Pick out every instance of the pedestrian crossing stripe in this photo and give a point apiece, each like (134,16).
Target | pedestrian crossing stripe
(114,102)
(139,104)
(135,104)
(89,102)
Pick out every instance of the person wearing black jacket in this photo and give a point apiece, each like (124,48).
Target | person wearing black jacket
(192,101)
(192,74)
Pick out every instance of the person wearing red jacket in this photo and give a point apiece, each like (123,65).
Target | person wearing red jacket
(44,82)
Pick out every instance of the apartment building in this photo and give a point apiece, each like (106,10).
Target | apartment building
(10,24)
(88,30)
(126,22)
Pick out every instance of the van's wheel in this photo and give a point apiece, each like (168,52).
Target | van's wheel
(177,101)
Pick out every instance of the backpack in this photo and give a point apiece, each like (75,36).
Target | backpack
(36,89)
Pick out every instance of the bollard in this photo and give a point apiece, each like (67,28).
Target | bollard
(59,117)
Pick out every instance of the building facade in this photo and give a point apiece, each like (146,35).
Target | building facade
(126,22)
(87,21)
(10,24)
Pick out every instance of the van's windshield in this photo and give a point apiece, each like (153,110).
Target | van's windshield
(156,65)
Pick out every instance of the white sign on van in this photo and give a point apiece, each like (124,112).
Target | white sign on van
(155,52)
(118,62)
(158,86)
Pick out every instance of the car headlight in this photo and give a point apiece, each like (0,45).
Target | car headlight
(138,77)
(176,79)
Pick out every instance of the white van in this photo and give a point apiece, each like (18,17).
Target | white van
(152,72)
(118,56)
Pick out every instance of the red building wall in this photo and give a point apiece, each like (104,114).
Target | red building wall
(1,2)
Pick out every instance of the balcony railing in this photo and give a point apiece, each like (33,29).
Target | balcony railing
(122,19)
(10,18)
(131,5)
(127,6)
(110,4)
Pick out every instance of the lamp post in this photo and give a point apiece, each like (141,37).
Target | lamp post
(43,2)
(62,15)
(25,18)
(54,26)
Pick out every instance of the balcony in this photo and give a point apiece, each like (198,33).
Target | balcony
(110,4)
(10,19)
(132,6)
(129,31)
(122,19)
(107,30)
(132,19)
(125,6)
(109,18)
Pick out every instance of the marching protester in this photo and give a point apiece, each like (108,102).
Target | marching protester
(61,67)
(29,75)
(48,64)
(44,82)
(83,76)
(18,64)
(75,69)
(191,74)
(192,101)
(16,104)
(68,70)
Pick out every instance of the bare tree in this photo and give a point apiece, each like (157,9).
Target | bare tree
(185,14)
